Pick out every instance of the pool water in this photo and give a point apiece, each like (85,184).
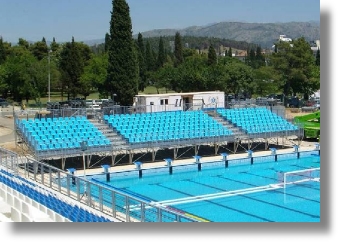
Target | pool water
(238,193)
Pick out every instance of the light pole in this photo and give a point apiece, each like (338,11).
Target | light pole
(113,100)
(83,147)
(49,75)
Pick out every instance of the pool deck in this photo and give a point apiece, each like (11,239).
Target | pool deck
(304,146)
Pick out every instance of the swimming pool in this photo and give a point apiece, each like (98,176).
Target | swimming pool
(239,192)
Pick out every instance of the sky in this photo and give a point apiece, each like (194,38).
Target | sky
(90,19)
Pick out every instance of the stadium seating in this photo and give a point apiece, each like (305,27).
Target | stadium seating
(31,203)
(166,126)
(256,120)
(47,134)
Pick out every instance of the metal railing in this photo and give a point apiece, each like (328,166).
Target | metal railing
(119,203)
(99,196)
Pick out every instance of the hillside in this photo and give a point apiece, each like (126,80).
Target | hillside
(263,34)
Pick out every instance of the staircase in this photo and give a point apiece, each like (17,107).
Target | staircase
(118,142)
(237,132)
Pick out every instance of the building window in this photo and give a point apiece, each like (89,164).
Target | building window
(164,101)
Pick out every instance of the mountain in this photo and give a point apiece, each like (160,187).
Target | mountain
(263,34)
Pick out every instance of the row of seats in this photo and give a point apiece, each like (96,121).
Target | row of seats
(61,133)
(257,120)
(166,126)
(72,212)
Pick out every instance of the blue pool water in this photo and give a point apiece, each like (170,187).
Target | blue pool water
(240,192)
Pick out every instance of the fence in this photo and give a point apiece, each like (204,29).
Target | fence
(113,201)
(91,193)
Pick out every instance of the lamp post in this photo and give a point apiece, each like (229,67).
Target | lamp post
(113,100)
(49,75)
(83,147)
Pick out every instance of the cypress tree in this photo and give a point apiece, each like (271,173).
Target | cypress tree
(161,53)
(107,42)
(178,49)
(54,45)
(122,71)
(2,51)
(230,53)
(317,60)
(212,57)
(260,59)
(149,58)
(141,62)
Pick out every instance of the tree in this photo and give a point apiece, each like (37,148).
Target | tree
(161,53)
(141,62)
(190,76)
(54,45)
(178,50)
(73,59)
(259,58)
(24,43)
(39,49)
(94,75)
(266,82)
(228,52)
(317,60)
(149,57)
(23,75)
(240,78)
(2,51)
(212,57)
(122,72)
(295,63)
(107,42)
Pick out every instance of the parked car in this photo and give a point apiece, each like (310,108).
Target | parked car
(3,103)
(292,102)
(317,104)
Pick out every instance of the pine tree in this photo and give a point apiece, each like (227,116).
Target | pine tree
(178,49)
(122,72)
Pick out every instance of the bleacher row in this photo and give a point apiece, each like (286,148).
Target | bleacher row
(256,120)
(48,134)
(166,126)
(27,202)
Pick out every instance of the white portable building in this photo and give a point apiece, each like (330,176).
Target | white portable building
(179,101)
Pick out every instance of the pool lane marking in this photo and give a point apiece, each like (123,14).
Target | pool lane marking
(277,205)
(223,206)
(270,187)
